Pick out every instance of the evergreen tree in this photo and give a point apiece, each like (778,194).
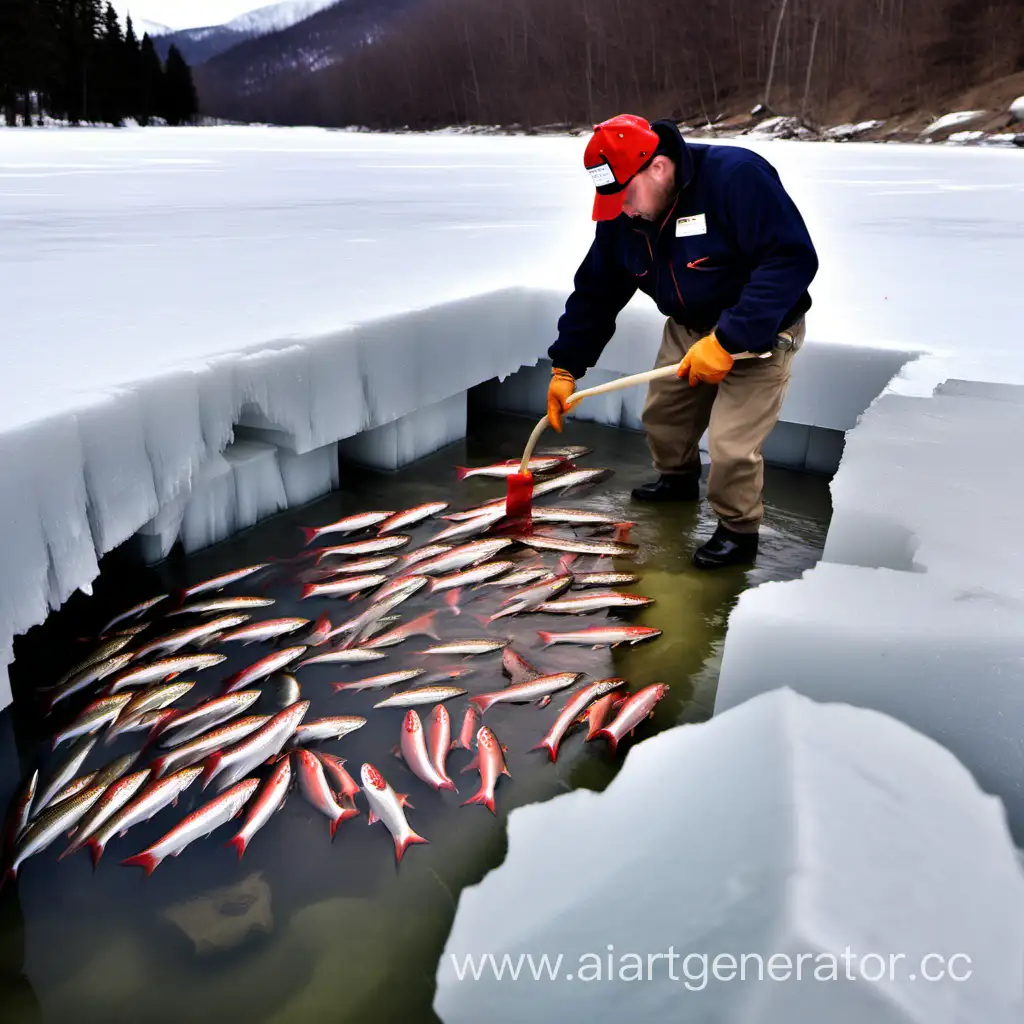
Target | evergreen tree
(111,68)
(132,65)
(151,81)
(180,101)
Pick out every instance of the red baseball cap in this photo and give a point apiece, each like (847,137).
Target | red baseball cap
(619,148)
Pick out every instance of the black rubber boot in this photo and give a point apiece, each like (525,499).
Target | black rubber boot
(670,487)
(726,547)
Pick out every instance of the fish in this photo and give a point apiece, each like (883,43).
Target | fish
(599,636)
(224,580)
(517,668)
(350,524)
(90,675)
(503,470)
(603,579)
(633,711)
(380,682)
(594,602)
(362,623)
(206,715)
(192,752)
(146,722)
(222,604)
(134,612)
(320,633)
(522,577)
(470,724)
(51,825)
(268,630)
(112,771)
(379,625)
(343,587)
(575,478)
(113,798)
(237,761)
(64,774)
(386,806)
(261,669)
(155,698)
(567,451)
(439,742)
(468,527)
(461,557)
(467,646)
(74,787)
(597,714)
(93,718)
(373,546)
(286,689)
(430,551)
(156,795)
(571,516)
(606,548)
(490,760)
(411,516)
(334,767)
(571,711)
(423,695)
(201,822)
(413,745)
(20,814)
(467,577)
(524,693)
(334,728)
(539,592)
(102,653)
(406,585)
(360,566)
(423,625)
(314,787)
(268,800)
(473,513)
(345,656)
(164,670)
(175,641)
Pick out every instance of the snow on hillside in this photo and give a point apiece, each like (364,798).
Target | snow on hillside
(277,16)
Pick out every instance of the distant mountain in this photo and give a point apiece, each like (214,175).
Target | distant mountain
(201,44)
(246,82)
(152,28)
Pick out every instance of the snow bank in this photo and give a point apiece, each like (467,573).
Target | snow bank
(1017,108)
(915,609)
(779,830)
(952,120)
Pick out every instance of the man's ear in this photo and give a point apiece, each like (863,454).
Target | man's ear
(662,167)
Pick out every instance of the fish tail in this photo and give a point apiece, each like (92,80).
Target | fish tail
(551,746)
(403,844)
(307,591)
(211,767)
(482,701)
(158,764)
(178,598)
(239,844)
(484,620)
(613,741)
(452,600)
(548,638)
(310,533)
(447,784)
(95,851)
(461,472)
(483,797)
(146,860)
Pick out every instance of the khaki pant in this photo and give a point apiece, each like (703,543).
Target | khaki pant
(740,413)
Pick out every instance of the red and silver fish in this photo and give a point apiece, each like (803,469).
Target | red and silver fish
(93,718)
(490,760)
(350,524)
(597,601)
(189,724)
(320,633)
(569,714)
(334,728)
(102,653)
(236,762)
(423,695)
(314,787)
(198,824)
(156,698)
(64,774)
(164,670)
(564,451)
(503,470)
(405,585)
(539,592)
(597,714)
(599,636)
(459,558)
(524,693)
(153,798)
(604,579)
(343,587)
(88,676)
(607,548)
(345,656)
(571,516)
(74,787)
(413,745)
(424,553)
(467,577)
(20,814)
(222,604)
(373,546)
(114,797)
(631,714)
(522,577)
(194,634)
(470,527)
(271,629)
(346,786)
(379,682)
(195,750)
(470,724)
(224,580)
(134,612)
(439,741)
(267,801)
(360,567)
(423,625)
(467,647)
(517,668)
(386,806)
(261,669)
(411,516)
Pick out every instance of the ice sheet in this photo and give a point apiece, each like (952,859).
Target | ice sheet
(816,829)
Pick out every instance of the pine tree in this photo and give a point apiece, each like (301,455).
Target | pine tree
(151,82)
(132,65)
(111,68)
(180,103)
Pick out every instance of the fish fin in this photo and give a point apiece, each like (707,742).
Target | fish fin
(95,850)
(145,860)
(403,800)
(483,701)
(397,751)
(373,817)
(548,638)
(307,591)
(238,843)
(310,533)
(460,472)
(452,600)
(447,784)
(482,798)
(505,771)
(403,844)
(475,763)
(544,701)
(335,822)
(613,742)
(550,746)
(484,620)
(211,767)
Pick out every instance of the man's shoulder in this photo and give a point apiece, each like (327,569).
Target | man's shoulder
(721,161)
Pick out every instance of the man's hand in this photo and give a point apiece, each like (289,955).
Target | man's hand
(562,385)
(705,360)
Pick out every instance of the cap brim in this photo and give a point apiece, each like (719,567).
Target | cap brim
(608,207)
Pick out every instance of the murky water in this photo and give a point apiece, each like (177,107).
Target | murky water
(303,929)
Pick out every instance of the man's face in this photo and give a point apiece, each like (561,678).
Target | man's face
(649,193)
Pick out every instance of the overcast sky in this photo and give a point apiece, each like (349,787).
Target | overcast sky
(187,13)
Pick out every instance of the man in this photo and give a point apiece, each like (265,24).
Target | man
(711,235)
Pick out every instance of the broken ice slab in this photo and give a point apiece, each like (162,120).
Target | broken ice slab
(259,489)
(408,437)
(211,512)
(309,476)
(781,829)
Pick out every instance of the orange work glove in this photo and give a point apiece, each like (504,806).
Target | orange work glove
(562,385)
(705,360)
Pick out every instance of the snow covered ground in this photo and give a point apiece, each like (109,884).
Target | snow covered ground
(164,285)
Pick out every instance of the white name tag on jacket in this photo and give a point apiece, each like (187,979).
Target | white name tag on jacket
(694,225)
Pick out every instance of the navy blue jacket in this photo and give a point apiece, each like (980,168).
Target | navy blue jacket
(747,274)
